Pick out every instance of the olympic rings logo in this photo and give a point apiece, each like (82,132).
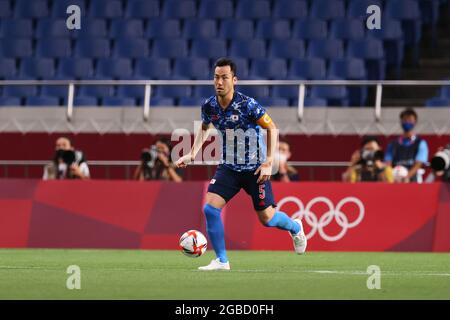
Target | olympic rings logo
(318,225)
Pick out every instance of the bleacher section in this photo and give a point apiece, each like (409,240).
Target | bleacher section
(180,39)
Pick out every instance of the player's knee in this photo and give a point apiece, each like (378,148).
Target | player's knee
(209,210)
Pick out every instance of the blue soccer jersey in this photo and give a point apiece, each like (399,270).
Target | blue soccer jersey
(243,147)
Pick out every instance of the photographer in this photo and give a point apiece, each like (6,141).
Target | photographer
(67,163)
(440,165)
(286,172)
(156,163)
(367,164)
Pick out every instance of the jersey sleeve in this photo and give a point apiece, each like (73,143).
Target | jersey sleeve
(206,119)
(256,111)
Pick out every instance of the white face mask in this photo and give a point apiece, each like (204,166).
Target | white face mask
(282,157)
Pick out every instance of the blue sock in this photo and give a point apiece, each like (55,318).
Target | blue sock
(216,233)
(280,220)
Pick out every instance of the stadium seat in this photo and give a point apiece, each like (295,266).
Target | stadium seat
(20,91)
(92,28)
(75,68)
(249,9)
(55,91)
(10,101)
(59,7)
(163,28)
(99,91)
(41,101)
(310,29)
(327,9)
(242,67)
(170,48)
(445,92)
(114,68)
(287,49)
(409,12)
(347,29)
(37,68)
(16,48)
(106,9)
(173,91)
(161,101)
(335,95)
(273,29)
(5,9)
(137,92)
(273,102)
(204,91)
(191,68)
(358,8)
(285,92)
(308,68)
(84,101)
(118,102)
(312,102)
(208,48)
(248,48)
(152,68)
(131,48)
(325,49)
(92,48)
(8,68)
(268,68)
(179,9)
(52,28)
(16,28)
(198,29)
(348,68)
(372,51)
(236,29)
(126,28)
(290,9)
(31,9)
(216,9)
(438,102)
(142,9)
(256,92)
(54,48)
(191,101)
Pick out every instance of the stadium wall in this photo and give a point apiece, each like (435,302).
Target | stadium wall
(152,215)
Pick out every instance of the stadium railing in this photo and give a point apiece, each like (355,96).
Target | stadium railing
(302,84)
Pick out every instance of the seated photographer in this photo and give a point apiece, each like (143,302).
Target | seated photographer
(440,165)
(67,162)
(156,163)
(286,172)
(367,164)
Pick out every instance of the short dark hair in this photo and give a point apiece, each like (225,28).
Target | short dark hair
(408,112)
(222,62)
(366,139)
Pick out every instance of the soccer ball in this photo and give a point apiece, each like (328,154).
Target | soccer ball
(399,172)
(193,243)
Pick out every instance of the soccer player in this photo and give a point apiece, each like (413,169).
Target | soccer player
(232,110)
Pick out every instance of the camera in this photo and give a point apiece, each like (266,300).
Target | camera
(441,160)
(149,156)
(67,156)
(368,157)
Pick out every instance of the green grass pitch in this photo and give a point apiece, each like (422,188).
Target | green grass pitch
(145,274)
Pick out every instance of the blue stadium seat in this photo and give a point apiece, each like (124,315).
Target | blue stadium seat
(287,49)
(55,91)
(42,101)
(409,12)
(93,48)
(152,68)
(335,95)
(312,102)
(31,9)
(438,102)
(358,8)
(16,48)
(250,9)
(255,92)
(191,101)
(204,91)
(216,9)
(290,9)
(242,67)
(173,91)
(131,48)
(84,101)
(136,92)
(285,92)
(106,9)
(91,28)
(118,102)
(125,28)
(114,68)
(273,29)
(198,29)
(348,68)
(10,102)
(209,48)
(372,51)
(163,28)
(8,68)
(37,68)
(191,68)
(248,48)
(52,28)
(142,9)
(236,29)
(20,91)
(430,11)
(309,29)
(273,102)
(161,101)
(445,91)
(325,49)
(308,68)
(16,28)
(327,9)
(268,68)
(5,9)
(170,48)
(99,91)
(59,7)
(75,68)
(391,30)
(347,29)
(179,9)
(54,48)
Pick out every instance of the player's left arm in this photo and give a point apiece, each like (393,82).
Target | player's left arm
(265,170)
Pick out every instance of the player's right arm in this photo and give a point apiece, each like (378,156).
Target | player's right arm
(200,138)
